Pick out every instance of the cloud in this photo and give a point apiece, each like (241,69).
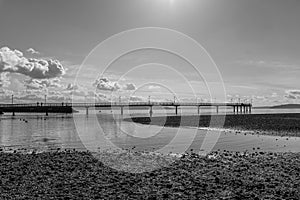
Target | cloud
(37,84)
(129,86)
(274,95)
(35,97)
(75,91)
(97,96)
(136,99)
(13,61)
(4,80)
(292,94)
(106,85)
(71,86)
(32,51)
(32,96)
(56,98)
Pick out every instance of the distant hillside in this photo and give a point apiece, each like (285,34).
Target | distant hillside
(286,106)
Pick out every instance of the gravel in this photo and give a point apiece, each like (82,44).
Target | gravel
(219,175)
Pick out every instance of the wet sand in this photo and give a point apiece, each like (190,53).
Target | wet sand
(268,124)
(220,175)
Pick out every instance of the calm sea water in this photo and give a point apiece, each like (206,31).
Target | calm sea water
(106,129)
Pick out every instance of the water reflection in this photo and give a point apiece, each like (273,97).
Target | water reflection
(106,130)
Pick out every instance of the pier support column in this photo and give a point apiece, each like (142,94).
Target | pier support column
(217,108)
(150,111)
(176,110)
(241,107)
(233,109)
(13,114)
(122,110)
(87,110)
(198,110)
(250,109)
(46,113)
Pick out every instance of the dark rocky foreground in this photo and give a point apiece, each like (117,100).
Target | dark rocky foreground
(272,124)
(78,175)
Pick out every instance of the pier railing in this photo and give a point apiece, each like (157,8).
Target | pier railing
(118,104)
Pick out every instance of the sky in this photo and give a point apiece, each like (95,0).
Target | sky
(53,48)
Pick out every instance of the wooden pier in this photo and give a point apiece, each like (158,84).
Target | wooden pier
(238,108)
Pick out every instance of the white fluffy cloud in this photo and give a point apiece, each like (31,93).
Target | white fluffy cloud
(13,61)
(108,85)
(32,51)
(129,86)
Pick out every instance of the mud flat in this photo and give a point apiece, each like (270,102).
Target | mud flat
(269,124)
(220,175)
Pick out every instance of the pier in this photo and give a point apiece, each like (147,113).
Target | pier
(238,108)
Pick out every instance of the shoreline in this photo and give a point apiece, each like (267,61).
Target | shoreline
(287,124)
(219,175)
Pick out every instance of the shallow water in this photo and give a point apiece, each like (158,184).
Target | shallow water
(107,130)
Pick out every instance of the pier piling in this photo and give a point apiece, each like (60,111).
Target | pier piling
(150,111)
(122,110)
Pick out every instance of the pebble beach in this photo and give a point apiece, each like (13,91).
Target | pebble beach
(219,175)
